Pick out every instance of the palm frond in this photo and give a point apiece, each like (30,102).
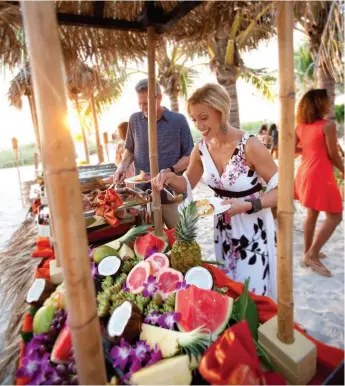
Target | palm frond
(261,80)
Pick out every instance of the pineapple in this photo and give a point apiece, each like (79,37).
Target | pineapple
(186,252)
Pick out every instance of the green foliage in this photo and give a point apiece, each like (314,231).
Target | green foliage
(261,80)
(339,113)
(304,68)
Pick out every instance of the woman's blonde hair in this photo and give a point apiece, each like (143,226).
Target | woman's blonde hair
(212,95)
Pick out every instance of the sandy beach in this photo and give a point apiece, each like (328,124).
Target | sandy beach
(319,301)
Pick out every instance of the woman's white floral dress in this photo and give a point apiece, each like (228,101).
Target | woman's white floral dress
(244,243)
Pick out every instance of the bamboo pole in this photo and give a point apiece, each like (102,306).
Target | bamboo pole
(106,143)
(61,176)
(33,111)
(86,148)
(152,120)
(286,172)
(36,161)
(16,156)
(95,121)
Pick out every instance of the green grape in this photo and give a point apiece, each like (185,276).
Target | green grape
(170,301)
(158,299)
(107,283)
(167,308)
(127,266)
(103,308)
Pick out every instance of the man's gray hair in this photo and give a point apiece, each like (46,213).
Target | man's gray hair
(143,85)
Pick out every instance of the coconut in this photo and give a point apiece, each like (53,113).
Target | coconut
(125,322)
(109,266)
(39,292)
(200,277)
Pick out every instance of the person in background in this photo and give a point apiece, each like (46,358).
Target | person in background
(273,138)
(122,129)
(262,134)
(315,185)
(232,164)
(174,142)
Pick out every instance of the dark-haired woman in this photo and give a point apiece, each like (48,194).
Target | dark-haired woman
(315,185)
(273,134)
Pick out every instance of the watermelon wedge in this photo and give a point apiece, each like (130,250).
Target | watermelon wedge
(138,276)
(203,308)
(63,347)
(167,280)
(158,261)
(147,245)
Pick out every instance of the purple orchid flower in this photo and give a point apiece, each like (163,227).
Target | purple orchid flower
(94,270)
(169,319)
(156,356)
(150,287)
(124,287)
(182,285)
(152,318)
(136,366)
(120,354)
(30,367)
(140,350)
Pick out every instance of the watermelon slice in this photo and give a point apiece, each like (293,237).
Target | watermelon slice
(63,347)
(147,245)
(138,276)
(203,308)
(167,280)
(158,261)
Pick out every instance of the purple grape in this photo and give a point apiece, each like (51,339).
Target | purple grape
(61,369)
(72,368)
(58,326)
(61,319)
(42,349)
(74,380)
(57,381)
(64,383)
(46,339)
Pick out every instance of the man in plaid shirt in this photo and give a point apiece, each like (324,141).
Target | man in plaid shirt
(174,141)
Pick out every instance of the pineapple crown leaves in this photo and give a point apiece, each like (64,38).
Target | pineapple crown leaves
(186,226)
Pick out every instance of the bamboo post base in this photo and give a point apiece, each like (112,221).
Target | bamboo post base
(296,362)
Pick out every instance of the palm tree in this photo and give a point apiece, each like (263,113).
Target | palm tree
(173,74)
(304,69)
(323,23)
(246,30)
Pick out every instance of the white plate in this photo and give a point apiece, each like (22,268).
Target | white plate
(131,180)
(218,208)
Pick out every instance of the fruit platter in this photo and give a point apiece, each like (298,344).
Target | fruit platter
(165,317)
(161,315)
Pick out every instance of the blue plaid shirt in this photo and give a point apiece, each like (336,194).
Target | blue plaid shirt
(174,140)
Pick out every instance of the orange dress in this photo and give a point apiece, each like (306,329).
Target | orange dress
(315,185)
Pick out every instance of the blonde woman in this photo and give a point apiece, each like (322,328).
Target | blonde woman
(232,163)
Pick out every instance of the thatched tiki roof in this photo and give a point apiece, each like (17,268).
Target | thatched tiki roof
(108,32)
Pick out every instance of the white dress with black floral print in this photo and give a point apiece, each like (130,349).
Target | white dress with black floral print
(244,243)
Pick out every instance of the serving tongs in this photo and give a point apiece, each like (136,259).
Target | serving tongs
(172,196)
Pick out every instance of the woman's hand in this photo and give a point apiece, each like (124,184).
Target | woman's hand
(162,178)
(237,206)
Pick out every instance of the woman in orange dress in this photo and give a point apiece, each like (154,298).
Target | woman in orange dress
(315,185)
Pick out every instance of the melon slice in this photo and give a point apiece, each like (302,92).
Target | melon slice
(158,261)
(63,347)
(147,245)
(171,371)
(203,308)
(167,280)
(200,277)
(109,266)
(138,276)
